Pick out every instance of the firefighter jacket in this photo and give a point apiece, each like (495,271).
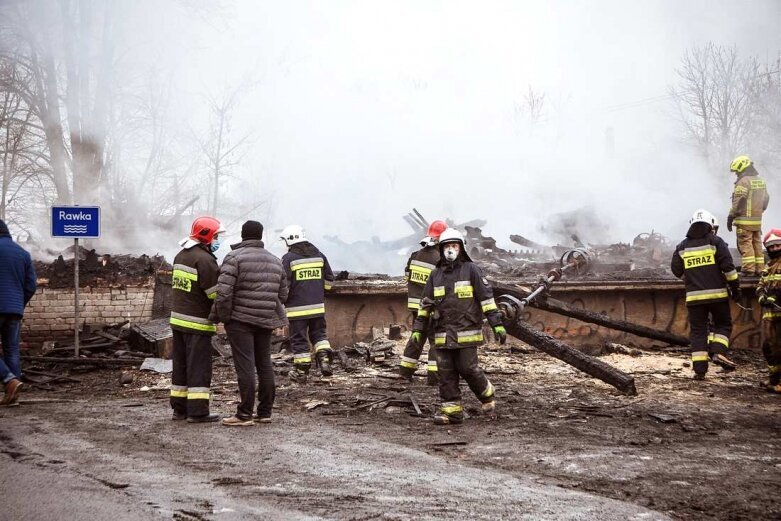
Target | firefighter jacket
(418,270)
(705,264)
(194,288)
(309,276)
(770,286)
(749,200)
(455,298)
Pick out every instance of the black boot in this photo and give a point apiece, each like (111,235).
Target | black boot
(324,361)
(406,372)
(299,374)
(725,363)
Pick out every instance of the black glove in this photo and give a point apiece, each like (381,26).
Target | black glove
(730,219)
(735,293)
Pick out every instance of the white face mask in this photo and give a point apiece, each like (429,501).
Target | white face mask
(451,252)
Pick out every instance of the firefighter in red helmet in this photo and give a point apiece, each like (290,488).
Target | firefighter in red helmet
(419,267)
(194,285)
(769,296)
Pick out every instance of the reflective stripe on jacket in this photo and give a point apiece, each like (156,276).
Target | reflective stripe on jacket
(749,200)
(770,286)
(705,264)
(194,287)
(455,299)
(309,276)
(419,267)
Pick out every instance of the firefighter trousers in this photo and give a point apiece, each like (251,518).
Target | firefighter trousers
(192,373)
(710,327)
(752,257)
(304,331)
(412,352)
(771,348)
(454,364)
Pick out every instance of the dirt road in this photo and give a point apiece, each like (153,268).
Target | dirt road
(563,447)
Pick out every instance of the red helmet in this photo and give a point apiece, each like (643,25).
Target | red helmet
(436,228)
(772,238)
(204,229)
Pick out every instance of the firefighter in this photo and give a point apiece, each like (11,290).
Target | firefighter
(309,276)
(703,260)
(455,298)
(769,296)
(194,284)
(419,267)
(749,201)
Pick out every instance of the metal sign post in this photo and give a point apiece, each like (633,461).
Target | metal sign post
(76,298)
(76,222)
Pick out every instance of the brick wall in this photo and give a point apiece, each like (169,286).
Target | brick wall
(49,315)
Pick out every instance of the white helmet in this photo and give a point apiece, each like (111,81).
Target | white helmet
(293,234)
(451,235)
(703,216)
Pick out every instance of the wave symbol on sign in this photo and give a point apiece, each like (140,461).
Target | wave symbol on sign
(75,228)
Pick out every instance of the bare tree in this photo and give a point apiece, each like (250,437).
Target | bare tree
(23,160)
(223,151)
(57,41)
(532,109)
(766,146)
(717,102)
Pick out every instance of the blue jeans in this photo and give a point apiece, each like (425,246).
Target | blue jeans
(10,365)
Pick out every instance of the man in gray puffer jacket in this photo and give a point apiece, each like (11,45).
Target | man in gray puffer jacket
(251,291)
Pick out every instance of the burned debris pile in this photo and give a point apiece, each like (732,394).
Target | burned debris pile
(647,257)
(100,270)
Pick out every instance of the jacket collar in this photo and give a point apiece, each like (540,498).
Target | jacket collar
(249,243)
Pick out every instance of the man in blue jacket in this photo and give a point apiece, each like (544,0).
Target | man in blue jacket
(17,287)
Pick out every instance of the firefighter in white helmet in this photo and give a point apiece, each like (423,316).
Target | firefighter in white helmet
(703,260)
(455,299)
(309,276)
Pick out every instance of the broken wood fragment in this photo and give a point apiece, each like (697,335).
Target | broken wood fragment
(592,366)
(82,361)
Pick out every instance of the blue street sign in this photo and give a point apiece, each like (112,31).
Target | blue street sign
(76,222)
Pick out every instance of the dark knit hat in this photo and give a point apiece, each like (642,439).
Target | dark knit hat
(4,228)
(252,230)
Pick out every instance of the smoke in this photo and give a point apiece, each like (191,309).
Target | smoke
(360,111)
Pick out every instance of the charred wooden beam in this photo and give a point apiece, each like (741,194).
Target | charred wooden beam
(105,362)
(592,366)
(558,307)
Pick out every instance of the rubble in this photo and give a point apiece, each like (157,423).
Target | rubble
(153,337)
(100,270)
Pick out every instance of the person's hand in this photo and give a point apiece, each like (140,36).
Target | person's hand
(736,293)
(500,333)
(767,301)
(730,220)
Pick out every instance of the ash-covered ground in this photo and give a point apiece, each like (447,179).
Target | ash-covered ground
(352,447)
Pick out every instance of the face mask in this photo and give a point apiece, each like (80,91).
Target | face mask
(215,245)
(773,254)
(451,253)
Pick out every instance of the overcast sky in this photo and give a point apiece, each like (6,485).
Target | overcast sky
(361,110)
